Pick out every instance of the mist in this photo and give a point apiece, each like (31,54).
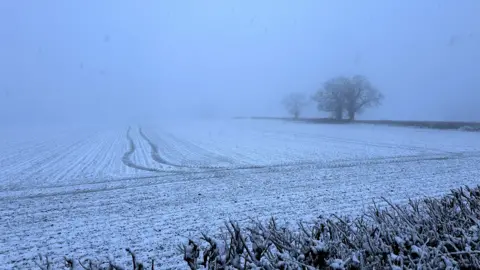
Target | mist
(103,61)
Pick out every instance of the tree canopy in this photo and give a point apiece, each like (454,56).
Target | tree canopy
(347,96)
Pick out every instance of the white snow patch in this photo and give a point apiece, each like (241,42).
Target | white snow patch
(69,193)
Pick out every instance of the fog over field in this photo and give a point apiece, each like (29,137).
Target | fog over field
(142,124)
(138,60)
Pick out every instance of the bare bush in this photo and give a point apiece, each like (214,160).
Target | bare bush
(428,234)
(44,263)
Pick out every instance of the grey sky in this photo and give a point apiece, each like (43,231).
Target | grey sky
(127,59)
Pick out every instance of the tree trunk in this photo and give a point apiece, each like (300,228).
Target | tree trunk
(296,115)
(351,115)
(339,114)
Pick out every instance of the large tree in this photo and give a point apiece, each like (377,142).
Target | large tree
(294,104)
(343,95)
(359,95)
(330,98)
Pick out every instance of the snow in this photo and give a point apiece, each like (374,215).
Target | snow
(416,251)
(73,192)
(399,241)
(337,264)
(64,161)
(270,142)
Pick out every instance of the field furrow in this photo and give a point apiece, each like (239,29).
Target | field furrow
(98,192)
(164,211)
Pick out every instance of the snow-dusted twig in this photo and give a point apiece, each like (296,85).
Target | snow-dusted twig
(43,264)
(430,234)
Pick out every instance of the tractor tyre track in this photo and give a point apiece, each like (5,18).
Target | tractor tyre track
(155,180)
(205,175)
(316,164)
(127,157)
(154,151)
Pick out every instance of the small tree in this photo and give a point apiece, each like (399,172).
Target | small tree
(331,97)
(294,103)
(360,94)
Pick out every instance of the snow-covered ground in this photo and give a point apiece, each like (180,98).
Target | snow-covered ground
(97,192)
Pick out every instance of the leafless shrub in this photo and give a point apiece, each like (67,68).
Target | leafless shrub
(429,234)
(88,264)
(43,262)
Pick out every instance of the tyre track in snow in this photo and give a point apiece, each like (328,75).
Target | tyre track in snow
(203,156)
(206,172)
(213,172)
(156,157)
(127,157)
(97,219)
(154,153)
(73,223)
(317,164)
(187,177)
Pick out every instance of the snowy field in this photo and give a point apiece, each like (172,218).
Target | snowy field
(95,192)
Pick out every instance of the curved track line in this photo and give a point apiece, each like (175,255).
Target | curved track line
(193,178)
(154,151)
(187,176)
(205,154)
(317,164)
(156,157)
(127,160)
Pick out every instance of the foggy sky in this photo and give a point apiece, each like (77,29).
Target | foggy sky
(151,59)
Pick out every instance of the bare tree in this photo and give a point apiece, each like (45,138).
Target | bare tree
(294,103)
(347,95)
(330,98)
(360,94)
